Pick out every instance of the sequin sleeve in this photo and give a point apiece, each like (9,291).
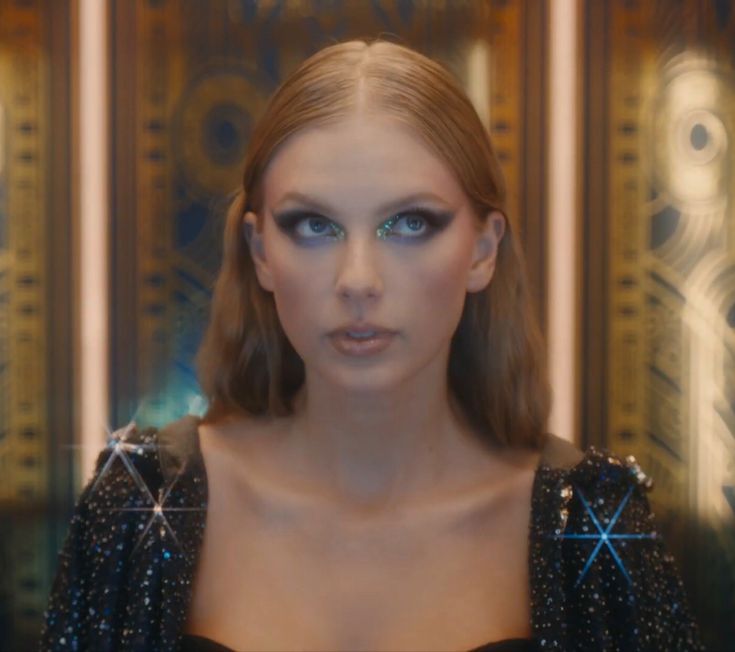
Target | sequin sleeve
(64,622)
(89,593)
(666,621)
(622,586)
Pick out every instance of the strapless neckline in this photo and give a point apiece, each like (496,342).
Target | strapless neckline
(196,643)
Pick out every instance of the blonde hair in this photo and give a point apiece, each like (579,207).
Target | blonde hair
(496,367)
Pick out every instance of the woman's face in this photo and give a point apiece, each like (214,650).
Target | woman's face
(339,245)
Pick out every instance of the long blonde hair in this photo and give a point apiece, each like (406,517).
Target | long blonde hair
(496,369)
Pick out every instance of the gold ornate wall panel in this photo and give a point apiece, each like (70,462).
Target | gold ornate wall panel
(189,80)
(36,465)
(659,311)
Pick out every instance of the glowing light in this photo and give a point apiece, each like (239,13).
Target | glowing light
(158,515)
(603,536)
(92,277)
(121,448)
(478,79)
(562,211)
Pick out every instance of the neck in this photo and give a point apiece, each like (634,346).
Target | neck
(373,449)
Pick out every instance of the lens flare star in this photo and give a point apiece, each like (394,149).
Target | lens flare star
(604,536)
(157,513)
(122,449)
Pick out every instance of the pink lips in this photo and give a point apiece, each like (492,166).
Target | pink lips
(361,347)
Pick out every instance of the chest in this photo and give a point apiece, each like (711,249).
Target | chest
(272,575)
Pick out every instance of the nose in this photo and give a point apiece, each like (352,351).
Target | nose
(358,276)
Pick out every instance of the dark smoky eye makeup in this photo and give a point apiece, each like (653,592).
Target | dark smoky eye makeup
(433,222)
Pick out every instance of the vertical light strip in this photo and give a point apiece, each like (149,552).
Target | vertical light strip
(93,217)
(478,79)
(562,241)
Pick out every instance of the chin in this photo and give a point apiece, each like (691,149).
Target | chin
(378,377)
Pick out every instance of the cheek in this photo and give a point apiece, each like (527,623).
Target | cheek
(294,292)
(440,291)
(291,284)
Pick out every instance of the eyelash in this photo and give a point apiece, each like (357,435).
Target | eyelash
(289,220)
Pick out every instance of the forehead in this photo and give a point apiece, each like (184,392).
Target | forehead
(362,158)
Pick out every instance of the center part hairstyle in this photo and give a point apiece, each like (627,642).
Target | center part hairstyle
(497,372)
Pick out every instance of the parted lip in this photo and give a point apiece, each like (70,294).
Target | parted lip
(361,328)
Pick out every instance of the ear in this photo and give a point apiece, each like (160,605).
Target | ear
(254,239)
(486,252)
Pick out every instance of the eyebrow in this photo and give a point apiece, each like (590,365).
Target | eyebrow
(389,206)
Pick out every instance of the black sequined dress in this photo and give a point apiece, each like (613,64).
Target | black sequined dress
(600,576)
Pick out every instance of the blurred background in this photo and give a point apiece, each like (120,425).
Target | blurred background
(123,126)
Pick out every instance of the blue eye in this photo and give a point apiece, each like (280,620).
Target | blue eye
(412,220)
(419,224)
(316,225)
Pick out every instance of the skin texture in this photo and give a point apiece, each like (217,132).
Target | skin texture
(373,518)
(379,428)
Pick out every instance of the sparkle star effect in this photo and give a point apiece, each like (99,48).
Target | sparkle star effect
(113,438)
(157,511)
(121,449)
(604,536)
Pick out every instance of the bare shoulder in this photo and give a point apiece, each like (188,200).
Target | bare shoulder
(516,472)
(242,449)
(508,466)
(239,433)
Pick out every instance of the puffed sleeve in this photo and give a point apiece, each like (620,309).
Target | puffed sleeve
(627,588)
(66,620)
(91,591)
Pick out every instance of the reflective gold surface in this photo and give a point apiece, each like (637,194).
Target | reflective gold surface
(661,266)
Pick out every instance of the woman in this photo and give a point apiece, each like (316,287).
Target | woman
(373,471)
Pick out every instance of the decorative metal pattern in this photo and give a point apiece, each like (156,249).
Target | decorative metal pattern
(35,464)
(661,272)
